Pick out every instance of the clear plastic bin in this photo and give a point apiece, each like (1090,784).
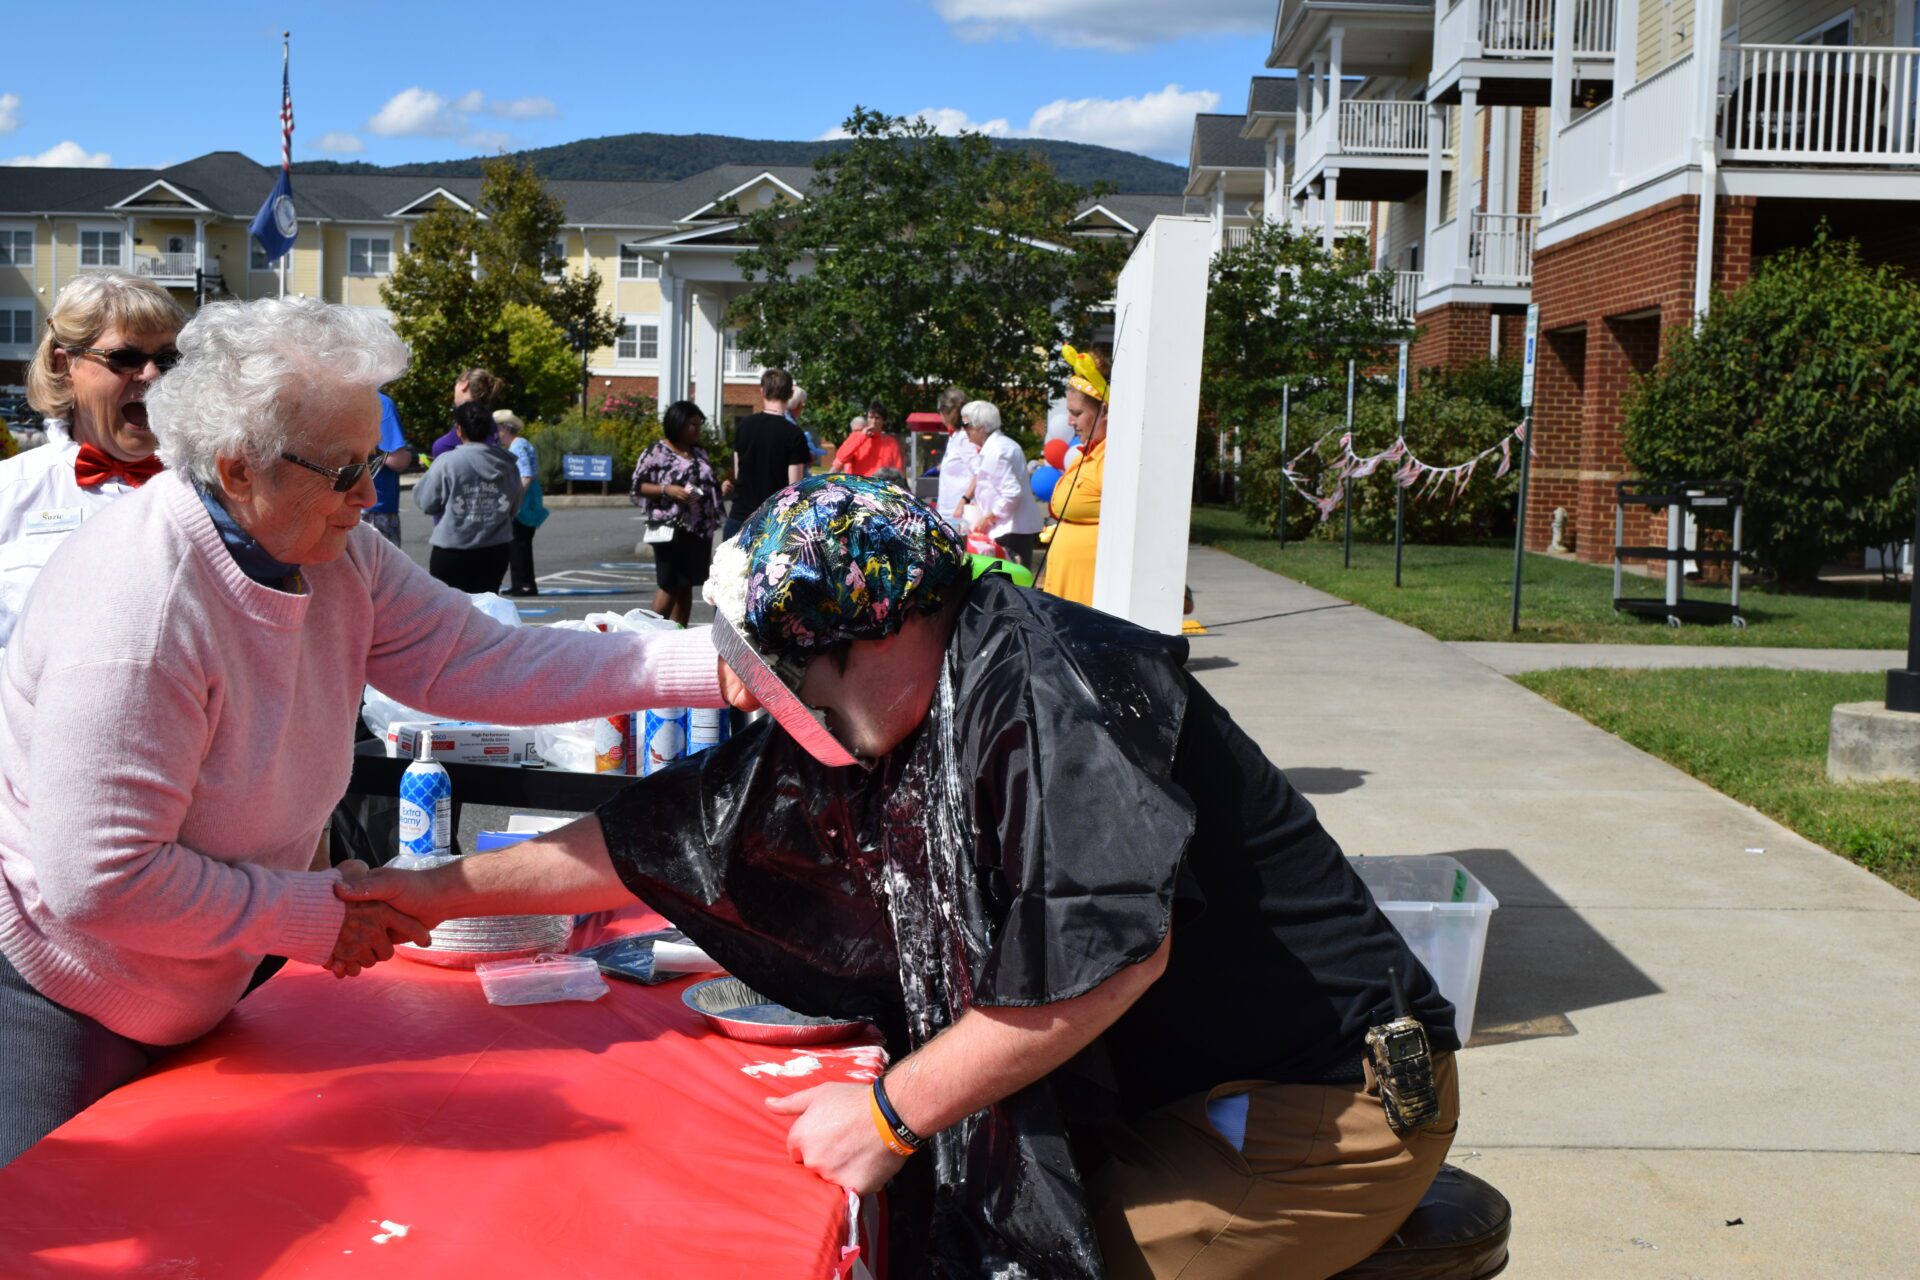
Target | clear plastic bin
(1442,911)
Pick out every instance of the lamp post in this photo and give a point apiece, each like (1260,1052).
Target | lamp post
(1903,687)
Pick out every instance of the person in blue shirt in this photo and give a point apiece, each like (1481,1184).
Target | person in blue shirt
(384,515)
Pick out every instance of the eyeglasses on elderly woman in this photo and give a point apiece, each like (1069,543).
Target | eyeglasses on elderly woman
(125,360)
(344,478)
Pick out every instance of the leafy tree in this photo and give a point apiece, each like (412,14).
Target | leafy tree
(1805,386)
(451,295)
(1283,310)
(539,365)
(919,261)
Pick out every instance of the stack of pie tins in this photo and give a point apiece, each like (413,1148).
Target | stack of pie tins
(461,944)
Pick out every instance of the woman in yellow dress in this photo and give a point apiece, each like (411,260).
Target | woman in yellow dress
(1076,498)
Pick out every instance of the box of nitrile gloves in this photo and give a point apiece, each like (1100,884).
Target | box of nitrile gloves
(458,742)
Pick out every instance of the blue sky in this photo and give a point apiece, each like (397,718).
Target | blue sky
(391,83)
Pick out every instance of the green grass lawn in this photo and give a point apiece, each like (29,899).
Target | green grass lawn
(1760,737)
(1465,593)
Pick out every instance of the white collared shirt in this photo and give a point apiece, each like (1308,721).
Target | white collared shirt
(1004,487)
(40,504)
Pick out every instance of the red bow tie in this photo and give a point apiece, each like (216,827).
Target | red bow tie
(96,466)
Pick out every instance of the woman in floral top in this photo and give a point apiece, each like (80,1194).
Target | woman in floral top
(674,483)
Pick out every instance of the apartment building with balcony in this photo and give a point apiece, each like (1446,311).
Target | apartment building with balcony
(1730,130)
(665,251)
(1614,161)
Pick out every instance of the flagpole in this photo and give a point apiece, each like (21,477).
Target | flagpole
(286,144)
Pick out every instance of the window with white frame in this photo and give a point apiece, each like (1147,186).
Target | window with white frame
(16,324)
(101,248)
(16,246)
(635,267)
(555,264)
(369,255)
(638,339)
(1834,33)
(257,255)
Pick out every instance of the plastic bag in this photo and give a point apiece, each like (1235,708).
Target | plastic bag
(651,958)
(600,745)
(548,978)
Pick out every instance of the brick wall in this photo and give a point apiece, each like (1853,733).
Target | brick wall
(1606,299)
(1527,144)
(1449,336)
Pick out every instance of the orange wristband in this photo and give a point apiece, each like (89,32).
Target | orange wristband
(894,1144)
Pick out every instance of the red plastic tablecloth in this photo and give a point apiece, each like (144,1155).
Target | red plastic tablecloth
(619,1138)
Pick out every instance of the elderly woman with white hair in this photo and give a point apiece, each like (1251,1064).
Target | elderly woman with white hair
(177,702)
(999,494)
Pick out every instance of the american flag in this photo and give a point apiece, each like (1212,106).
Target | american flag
(286,109)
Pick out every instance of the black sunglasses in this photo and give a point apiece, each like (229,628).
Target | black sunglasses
(130,359)
(344,478)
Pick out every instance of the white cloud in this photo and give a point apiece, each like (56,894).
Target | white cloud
(340,144)
(422,113)
(1117,25)
(9,112)
(1152,124)
(417,113)
(65,155)
(524,109)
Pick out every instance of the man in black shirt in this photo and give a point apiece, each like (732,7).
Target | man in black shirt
(1125,975)
(769,451)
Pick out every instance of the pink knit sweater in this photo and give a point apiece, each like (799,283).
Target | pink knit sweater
(175,736)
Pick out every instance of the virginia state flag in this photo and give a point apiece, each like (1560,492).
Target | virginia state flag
(274,226)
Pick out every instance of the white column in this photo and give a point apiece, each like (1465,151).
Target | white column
(200,244)
(1336,43)
(1270,190)
(709,349)
(1560,90)
(1140,569)
(1470,23)
(1329,203)
(1626,67)
(1706,70)
(1302,91)
(1319,85)
(1497,121)
(1436,165)
(1218,213)
(1466,183)
(667,384)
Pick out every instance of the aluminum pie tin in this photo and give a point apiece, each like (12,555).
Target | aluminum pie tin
(464,943)
(777,696)
(735,1009)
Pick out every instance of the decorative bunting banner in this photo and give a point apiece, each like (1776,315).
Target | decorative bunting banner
(1411,473)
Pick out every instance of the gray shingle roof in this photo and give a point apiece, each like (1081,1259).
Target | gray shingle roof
(1217,144)
(229,183)
(1272,95)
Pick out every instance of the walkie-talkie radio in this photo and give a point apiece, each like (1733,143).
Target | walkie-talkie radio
(1403,1065)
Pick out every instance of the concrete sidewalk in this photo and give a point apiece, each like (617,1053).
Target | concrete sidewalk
(1512,659)
(1673,1032)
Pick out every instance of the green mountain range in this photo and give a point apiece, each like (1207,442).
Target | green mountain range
(667,157)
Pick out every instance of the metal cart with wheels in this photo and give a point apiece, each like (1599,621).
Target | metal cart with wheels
(1680,501)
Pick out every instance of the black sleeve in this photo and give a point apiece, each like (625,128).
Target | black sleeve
(797,446)
(1080,831)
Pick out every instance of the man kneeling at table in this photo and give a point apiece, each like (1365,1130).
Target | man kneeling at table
(1126,976)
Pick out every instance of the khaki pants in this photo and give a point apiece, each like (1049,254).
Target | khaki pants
(1320,1182)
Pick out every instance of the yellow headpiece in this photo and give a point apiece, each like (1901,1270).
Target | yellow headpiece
(1086,377)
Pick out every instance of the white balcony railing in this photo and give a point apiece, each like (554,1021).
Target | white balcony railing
(164,266)
(1519,29)
(1383,128)
(1406,293)
(1353,216)
(1810,104)
(1236,237)
(1581,161)
(1500,247)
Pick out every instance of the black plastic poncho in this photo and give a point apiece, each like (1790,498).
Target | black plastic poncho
(1021,849)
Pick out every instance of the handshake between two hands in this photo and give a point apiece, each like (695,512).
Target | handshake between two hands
(384,906)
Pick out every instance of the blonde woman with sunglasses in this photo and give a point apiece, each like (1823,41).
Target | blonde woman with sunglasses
(109,337)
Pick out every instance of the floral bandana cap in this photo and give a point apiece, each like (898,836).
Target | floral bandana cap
(822,563)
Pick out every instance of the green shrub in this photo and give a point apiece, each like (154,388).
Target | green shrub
(1441,430)
(1804,386)
(624,435)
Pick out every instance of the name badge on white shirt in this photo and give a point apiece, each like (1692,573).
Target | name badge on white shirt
(52,520)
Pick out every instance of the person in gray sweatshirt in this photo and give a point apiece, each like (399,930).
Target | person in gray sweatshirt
(472,492)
